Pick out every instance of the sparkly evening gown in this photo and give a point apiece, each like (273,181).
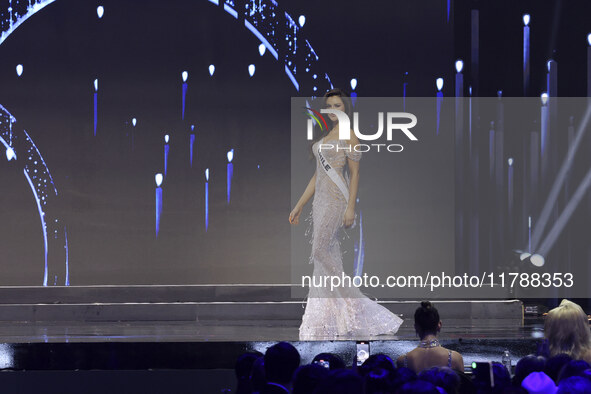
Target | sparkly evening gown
(345,311)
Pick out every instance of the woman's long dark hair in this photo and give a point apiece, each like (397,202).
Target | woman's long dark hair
(319,134)
(426,319)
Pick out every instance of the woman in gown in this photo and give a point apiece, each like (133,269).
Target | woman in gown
(344,311)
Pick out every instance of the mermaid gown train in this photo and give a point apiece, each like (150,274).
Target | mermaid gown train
(345,311)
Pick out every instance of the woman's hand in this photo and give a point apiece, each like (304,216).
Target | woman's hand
(349,217)
(294,216)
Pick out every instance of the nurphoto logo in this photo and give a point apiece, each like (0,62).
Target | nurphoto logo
(316,117)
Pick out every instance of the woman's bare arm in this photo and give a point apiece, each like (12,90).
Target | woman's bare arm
(353,184)
(308,193)
(294,216)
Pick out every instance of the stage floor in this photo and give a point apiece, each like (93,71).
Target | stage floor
(182,331)
(209,326)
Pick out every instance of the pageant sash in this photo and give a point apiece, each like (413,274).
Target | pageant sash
(332,174)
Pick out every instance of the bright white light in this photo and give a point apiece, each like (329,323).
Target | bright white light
(353,83)
(10,154)
(96,85)
(537,334)
(525,19)
(537,260)
(6,356)
(262,49)
(192,127)
(100,11)
(510,161)
(524,256)
(230,155)
(134,122)
(439,83)
(470,90)
(166,138)
(302,20)
(251,69)
(185,75)
(211,69)
(544,98)
(589,38)
(207,174)
(548,64)
(159,179)
(459,65)
(19,70)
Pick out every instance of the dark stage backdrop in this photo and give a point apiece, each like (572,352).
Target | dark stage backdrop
(101,224)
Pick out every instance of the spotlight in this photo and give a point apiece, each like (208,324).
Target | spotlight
(158,179)
(544,98)
(439,83)
(302,20)
(534,259)
(537,260)
(526,19)
(524,256)
(10,154)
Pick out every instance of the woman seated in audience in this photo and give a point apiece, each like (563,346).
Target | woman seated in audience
(429,353)
(567,331)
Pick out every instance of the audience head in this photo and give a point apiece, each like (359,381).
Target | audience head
(527,365)
(341,381)
(418,386)
(243,365)
(281,361)
(376,361)
(538,383)
(567,330)
(554,365)
(308,377)
(401,376)
(573,368)
(574,384)
(243,368)
(257,375)
(334,361)
(443,377)
(427,320)
(501,376)
(378,380)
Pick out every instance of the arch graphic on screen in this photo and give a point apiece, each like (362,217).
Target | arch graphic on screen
(277,31)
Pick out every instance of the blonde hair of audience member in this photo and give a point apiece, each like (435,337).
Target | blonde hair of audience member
(567,330)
